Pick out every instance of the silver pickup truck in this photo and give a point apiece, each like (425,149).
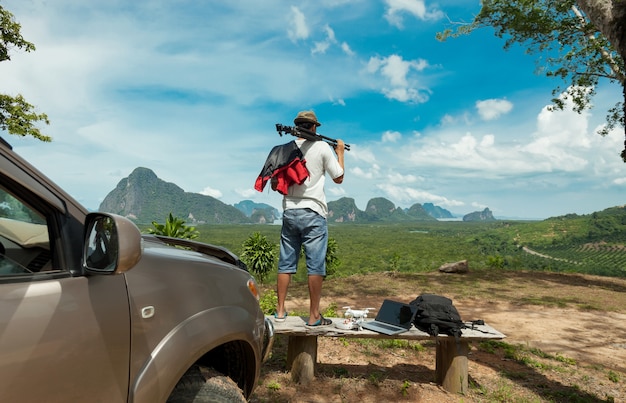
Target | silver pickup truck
(91,310)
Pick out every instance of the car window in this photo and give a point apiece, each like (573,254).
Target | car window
(24,237)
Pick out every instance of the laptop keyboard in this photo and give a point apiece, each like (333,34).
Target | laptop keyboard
(386,326)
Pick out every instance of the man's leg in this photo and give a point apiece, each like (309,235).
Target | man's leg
(315,245)
(288,259)
(315,295)
(282,285)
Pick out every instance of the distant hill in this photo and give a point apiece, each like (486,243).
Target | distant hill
(485,215)
(419,212)
(377,209)
(144,198)
(436,211)
(259,213)
(344,210)
(381,209)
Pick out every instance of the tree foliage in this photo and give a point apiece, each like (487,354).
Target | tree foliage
(174,227)
(332,260)
(578,48)
(17,116)
(259,255)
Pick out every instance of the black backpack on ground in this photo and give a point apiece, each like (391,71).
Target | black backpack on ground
(437,315)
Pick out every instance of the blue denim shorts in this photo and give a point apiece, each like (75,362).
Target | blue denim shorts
(303,227)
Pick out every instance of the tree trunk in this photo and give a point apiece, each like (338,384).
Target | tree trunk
(609,17)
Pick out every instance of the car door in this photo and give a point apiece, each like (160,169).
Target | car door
(64,336)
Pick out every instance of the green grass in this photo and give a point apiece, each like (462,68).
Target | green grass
(424,246)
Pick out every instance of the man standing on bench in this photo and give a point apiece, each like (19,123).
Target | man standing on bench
(304,219)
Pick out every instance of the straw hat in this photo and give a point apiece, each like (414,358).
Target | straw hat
(306,116)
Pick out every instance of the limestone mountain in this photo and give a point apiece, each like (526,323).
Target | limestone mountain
(377,209)
(259,213)
(381,209)
(485,215)
(144,198)
(436,211)
(419,212)
(344,210)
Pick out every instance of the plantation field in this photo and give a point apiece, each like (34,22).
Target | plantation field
(559,246)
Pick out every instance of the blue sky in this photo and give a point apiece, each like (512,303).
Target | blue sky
(193,90)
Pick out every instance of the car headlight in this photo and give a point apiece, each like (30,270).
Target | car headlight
(254,290)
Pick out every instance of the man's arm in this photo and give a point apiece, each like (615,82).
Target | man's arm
(339,150)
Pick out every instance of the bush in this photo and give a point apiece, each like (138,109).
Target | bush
(268,302)
(332,261)
(259,255)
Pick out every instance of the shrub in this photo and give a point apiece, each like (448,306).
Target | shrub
(259,255)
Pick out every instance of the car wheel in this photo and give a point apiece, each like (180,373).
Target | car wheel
(206,385)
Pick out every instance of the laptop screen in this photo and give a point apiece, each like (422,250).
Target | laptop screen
(396,313)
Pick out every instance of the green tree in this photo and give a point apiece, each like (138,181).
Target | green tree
(332,260)
(16,115)
(578,41)
(174,227)
(259,255)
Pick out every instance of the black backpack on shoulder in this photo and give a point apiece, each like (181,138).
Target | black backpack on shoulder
(437,315)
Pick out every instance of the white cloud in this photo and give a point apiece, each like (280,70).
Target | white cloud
(396,177)
(365,174)
(246,193)
(479,206)
(417,8)
(298,28)
(401,85)
(487,141)
(362,154)
(346,49)
(337,191)
(321,47)
(561,143)
(560,138)
(391,136)
(491,109)
(208,191)
(396,69)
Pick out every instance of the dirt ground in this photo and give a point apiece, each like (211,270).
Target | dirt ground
(571,329)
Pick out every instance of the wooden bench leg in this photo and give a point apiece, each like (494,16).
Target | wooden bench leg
(301,358)
(451,366)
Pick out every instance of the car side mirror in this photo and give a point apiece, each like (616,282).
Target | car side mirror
(112,244)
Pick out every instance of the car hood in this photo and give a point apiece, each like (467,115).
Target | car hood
(176,247)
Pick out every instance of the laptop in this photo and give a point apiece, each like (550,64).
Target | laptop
(393,317)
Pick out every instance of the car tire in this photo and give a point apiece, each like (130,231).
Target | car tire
(206,385)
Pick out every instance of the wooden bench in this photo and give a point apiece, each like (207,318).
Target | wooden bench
(451,356)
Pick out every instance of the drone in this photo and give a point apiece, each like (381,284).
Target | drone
(354,317)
